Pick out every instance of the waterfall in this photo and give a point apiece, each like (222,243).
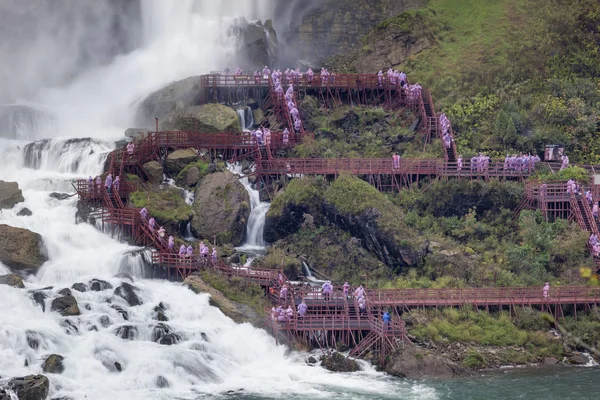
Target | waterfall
(255,242)
(246,118)
(114,349)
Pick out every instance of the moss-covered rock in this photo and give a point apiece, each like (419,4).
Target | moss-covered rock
(205,119)
(191,174)
(177,160)
(337,362)
(21,249)
(286,214)
(235,298)
(221,208)
(166,205)
(66,305)
(154,171)
(53,364)
(414,363)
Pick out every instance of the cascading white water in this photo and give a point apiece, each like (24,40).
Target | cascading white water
(182,38)
(255,242)
(246,118)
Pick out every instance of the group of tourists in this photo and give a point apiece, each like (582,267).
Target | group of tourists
(290,103)
(394,78)
(109,184)
(186,253)
(520,162)
(595,245)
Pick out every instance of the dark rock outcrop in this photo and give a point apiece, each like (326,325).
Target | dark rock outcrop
(578,359)
(123,313)
(337,362)
(21,249)
(40,299)
(159,331)
(221,208)
(10,194)
(97,285)
(414,363)
(12,280)
(31,387)
(65,305)
(80,287)
(170,339)
(59,196)
(257,42)
(53,364)
(127,292)
(65,292)
(162,382)
(25,212)
(127,332)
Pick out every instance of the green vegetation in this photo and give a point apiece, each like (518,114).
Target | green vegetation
(165,205)
(307,192)
(577,173)
(509,78)
(528,331)
(200,164)
(238,290)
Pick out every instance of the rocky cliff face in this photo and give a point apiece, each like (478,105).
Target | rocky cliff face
(338,26)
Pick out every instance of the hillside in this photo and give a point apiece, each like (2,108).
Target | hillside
(510,79)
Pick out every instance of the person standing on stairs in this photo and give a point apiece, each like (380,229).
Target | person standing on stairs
(595,211)
(90,183)
(152,223)
(98,184)
(117,184)
(546,290)
(108,183)
(387,321)
(346,289)
(302,307)
(171,243)
(459,164)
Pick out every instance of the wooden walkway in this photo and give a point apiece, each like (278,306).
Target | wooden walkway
(339,319)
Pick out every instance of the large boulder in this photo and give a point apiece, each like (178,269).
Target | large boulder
(128,293)
(204,119)
(154,171)
(177,160)
(21,249)
(221,208)
(414,363)
(31,387)
(65,305)
(12,280)
(10,194)
(337,362)
(53,364)
(175,96)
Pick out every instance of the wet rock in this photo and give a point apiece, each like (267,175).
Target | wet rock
(93,328)
(21,249)
(33,339)
(207,118)
(24,212)
(159,331)
(65,305)
(53,364)
(70,327)
(104,320)
(176,95)
(550,361)
(118,366)
(415,363)
(123,275)
(127,293)
(65,292)
(31,387)
(137,133)
(12,280)
(60,196)
(221,208)
(98,285)
(311,360)
(123,313)
(177,160)
(154,172)
(10,194)
(170,339)
(258,43)
(577,359)
(159,313)
(203,336)
(80,287)
(127,332)
(162,382)
(337,362)
(39,298)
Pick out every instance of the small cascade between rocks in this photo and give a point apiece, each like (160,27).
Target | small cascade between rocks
(246,118)
(255,244)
